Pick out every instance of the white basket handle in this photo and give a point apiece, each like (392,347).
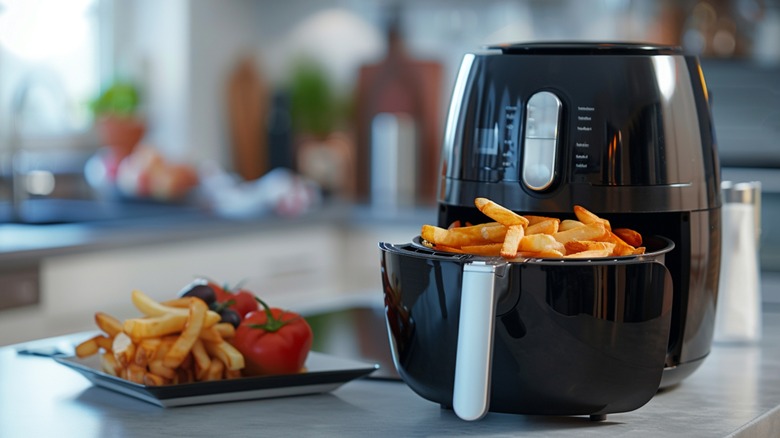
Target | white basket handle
(471,392)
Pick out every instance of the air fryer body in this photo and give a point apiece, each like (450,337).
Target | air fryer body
(624,130)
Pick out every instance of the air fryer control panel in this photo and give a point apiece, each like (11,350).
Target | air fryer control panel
(524,143)
(540,140)
(587,138)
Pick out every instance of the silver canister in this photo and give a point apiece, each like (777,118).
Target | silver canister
(738,316)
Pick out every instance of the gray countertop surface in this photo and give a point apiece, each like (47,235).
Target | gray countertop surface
(736,392)
(20,242)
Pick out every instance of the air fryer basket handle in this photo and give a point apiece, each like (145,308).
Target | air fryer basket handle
(479,295)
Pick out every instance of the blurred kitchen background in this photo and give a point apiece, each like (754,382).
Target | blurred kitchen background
(245,108)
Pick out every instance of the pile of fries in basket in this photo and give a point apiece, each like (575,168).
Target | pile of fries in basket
(513,236)
(178,341)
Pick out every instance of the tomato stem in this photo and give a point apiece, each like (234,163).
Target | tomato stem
(272,324)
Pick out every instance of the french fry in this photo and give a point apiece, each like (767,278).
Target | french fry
(123,349)
(201,358)
(587,217)
(540,243)
(89,347)
(105,343)
(492,232)
(464,236)
(548,226)
(533,220)
(156,366)
(146,351)
(184,375)
(488,249)
(215,370)
(155,326)
(592,231)
(151,379)
(514,235)
(227,353)
(166,342)
(150,307)
(621,247)
(448,248)
(181,302)
(548,254)
(629,236)
(568,224)
(108,324)
(210,334)
(109,365)
(225,329)
(188,337)
(499,213)
(593,253)
(433,233)
(575,246)
(136,373)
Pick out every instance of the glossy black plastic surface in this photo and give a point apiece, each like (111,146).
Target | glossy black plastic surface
(637,123)
(571,337)
(636,146)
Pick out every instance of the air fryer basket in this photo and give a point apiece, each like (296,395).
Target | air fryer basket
(584,337)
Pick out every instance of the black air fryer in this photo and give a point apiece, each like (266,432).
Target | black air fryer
(621,129)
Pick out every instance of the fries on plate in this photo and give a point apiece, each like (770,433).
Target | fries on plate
(178,342)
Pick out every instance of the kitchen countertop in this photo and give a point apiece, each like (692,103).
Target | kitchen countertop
(19,242)
(736,392)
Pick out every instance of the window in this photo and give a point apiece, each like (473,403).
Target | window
(49,67)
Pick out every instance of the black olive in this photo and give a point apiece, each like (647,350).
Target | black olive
(200,290)
(231,316)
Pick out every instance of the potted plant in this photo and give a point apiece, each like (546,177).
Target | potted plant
(323,150)
(116,115)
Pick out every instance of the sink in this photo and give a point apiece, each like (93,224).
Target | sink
(58,211)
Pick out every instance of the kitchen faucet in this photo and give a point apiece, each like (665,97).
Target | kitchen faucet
(19,171)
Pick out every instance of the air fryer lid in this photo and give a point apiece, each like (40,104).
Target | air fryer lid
(586,48)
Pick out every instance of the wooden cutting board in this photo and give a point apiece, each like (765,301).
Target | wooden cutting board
(247,100)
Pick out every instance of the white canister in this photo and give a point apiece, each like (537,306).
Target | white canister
(393,161)
(738,316)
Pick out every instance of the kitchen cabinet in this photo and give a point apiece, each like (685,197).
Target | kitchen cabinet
(299,263)
(72,287)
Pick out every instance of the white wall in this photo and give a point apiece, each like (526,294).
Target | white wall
(186,48)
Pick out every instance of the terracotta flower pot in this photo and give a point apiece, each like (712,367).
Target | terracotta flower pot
(121,134)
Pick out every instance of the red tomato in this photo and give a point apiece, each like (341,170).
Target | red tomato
(243,301)
(273,341)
